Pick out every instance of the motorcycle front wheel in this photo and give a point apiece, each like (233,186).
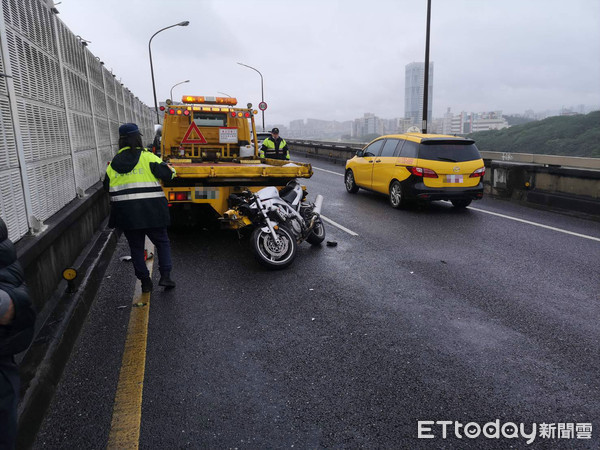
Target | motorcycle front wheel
(274,254)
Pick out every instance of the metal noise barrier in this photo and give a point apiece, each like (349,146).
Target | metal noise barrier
(60,109)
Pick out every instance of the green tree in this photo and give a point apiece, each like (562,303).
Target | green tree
(562,135)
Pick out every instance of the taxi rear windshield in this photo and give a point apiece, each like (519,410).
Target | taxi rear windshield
(210,119)
(449,151)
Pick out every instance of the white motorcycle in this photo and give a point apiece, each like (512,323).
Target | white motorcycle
(282,220)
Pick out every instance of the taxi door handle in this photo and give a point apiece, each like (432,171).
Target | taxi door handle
(378,160)
(370,161)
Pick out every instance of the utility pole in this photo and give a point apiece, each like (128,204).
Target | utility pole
(426,81)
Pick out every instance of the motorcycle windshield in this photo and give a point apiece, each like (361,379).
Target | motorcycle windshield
(268,193)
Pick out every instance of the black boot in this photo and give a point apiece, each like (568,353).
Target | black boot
(165,280)
(146,284)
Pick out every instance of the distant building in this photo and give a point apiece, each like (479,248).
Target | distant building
(318,129)
(404,125)
(414,80)
(465,123)
(367,125)
(488,121)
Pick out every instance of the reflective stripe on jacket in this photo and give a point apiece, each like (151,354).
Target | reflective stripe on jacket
(274,149)
(137,198)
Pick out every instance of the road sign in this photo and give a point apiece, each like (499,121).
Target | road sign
(262,106)
(189,139)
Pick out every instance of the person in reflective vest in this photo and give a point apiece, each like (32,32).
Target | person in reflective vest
(138,204)
(274,147)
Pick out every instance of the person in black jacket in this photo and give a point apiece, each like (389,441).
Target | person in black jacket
(138,205)
(17,321)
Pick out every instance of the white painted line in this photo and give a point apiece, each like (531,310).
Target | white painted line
(536,224)
(341,227)
(329,171)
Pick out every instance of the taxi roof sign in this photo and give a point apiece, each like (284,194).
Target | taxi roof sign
(209,100)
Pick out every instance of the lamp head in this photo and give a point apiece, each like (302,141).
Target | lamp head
(184,23)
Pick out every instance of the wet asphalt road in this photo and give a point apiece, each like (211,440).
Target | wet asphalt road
(428,314)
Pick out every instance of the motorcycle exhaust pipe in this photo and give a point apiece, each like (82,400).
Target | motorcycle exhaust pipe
(318,204)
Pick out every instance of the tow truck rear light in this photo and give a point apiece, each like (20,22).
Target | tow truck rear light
(171,111)
(247,115)
(422,172)
(209,100)
(478,173)
(186,113)
(233,114)
(162,108)
(180,196)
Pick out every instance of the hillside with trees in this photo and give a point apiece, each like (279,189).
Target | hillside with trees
(562,135)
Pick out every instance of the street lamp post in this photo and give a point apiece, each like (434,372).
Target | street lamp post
(426,80)
(180,24)
(177,84)
(262,91)
(224,94)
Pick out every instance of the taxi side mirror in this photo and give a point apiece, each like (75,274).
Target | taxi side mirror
(360,153)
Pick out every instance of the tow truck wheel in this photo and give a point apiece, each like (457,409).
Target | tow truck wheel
(317,235)
(350,182)
(274,254)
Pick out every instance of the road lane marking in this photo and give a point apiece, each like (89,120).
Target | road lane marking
(328,171)
(474,209)
(536,224)
(127,408)
(341,227)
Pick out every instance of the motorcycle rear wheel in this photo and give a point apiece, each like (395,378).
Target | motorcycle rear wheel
(274,255)
(317,235)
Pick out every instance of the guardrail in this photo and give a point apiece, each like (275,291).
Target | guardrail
(530,158)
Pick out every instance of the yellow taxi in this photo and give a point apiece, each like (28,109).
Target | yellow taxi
(414,166)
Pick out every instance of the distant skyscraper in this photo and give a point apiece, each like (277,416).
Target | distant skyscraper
(413,92)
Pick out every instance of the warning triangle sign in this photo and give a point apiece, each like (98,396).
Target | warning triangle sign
(190,135)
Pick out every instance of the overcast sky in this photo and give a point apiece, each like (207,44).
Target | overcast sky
(336,60)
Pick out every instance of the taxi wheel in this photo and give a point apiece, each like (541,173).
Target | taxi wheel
(461,203)
(397,199)
(349,182)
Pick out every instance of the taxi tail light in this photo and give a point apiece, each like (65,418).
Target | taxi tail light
(478,173)
(422,172)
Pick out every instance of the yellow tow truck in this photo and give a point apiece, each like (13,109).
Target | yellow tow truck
(212,146)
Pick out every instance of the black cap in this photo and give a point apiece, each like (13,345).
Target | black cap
(128,128)
(275,131)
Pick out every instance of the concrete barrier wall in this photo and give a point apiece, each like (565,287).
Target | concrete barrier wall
(552,184)
(45,256)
